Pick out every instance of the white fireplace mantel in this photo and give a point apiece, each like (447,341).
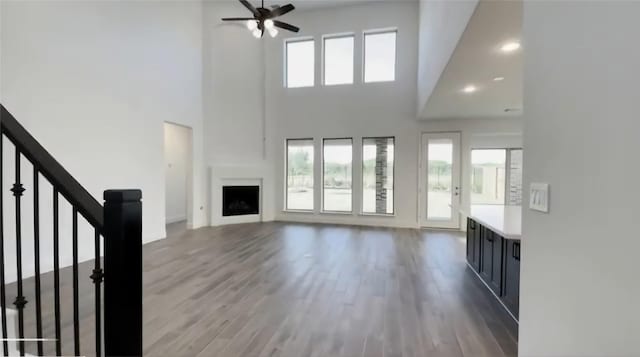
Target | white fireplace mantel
(217,182)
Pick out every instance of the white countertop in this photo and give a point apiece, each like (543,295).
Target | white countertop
(504,220)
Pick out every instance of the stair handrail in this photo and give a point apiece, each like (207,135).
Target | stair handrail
(50,168)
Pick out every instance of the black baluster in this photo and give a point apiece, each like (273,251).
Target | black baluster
(56,271)
(36,250)
(20,301)
(97,280)
(76,318)
(3,300)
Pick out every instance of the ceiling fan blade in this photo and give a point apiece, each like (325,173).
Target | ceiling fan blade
(286,26)
(237,18)
(251,8)
(281,10)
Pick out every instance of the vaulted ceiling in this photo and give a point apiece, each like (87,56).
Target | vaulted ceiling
(479,61)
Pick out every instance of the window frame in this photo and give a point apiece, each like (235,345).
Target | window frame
(507,179)
(286,176)
(393,170)
(286,60)
(322,199)
(364,53)
(324,53)
(507,173)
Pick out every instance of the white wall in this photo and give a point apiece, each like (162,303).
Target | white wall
(442,24)
(177,166)
(579,277)
(360,110)
(94,82)
(235,127)
(234,87)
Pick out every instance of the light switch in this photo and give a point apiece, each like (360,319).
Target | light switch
(539,197)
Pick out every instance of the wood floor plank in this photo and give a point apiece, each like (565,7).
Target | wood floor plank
(283,289)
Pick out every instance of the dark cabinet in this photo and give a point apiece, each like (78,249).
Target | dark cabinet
(497,262)
(473,244)
(491,261)
(511,287)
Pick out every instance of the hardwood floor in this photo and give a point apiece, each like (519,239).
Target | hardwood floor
(281,289)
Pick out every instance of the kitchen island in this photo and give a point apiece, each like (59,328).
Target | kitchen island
(493,250)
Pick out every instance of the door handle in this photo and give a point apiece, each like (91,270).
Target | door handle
(457,191)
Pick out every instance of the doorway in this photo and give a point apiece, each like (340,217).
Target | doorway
(178,178)
(440,180)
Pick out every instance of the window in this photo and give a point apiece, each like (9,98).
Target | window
(337,173)
(338,60)
(300,56)
(380,56)
(377,175)
(496,176)
(300,174)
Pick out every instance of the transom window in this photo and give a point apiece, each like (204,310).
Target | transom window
(300,63)
(380,56)
(338,60)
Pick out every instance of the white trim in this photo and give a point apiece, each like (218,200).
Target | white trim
(364,60)
(305,211)
(322,145)
(346,220)
(388,215)
(337,213)
(454,221)
(323,52)
(286,59)
(176,219)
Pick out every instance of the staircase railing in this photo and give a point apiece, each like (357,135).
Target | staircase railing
(119,222)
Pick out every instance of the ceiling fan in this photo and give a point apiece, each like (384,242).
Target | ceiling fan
(263,19)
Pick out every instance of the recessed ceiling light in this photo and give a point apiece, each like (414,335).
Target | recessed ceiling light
(469,89)
(498,79)
(510,47)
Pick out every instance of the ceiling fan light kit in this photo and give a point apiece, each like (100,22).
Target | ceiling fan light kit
(263,19)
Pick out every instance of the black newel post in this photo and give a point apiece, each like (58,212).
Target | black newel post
(123,273)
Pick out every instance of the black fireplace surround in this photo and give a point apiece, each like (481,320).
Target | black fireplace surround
(240,200)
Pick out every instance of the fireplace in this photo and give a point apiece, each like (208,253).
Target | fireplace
(240,200)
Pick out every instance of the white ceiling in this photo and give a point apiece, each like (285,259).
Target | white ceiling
(477,60)
(319,4)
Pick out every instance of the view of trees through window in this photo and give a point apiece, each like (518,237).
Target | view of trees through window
(337,166)
(488,180)
(300,174)
(377,175)
(439,190)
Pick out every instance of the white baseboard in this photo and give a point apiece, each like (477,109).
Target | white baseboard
(348,220)
(175,219)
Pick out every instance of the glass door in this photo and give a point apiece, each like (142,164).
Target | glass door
(440,180)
